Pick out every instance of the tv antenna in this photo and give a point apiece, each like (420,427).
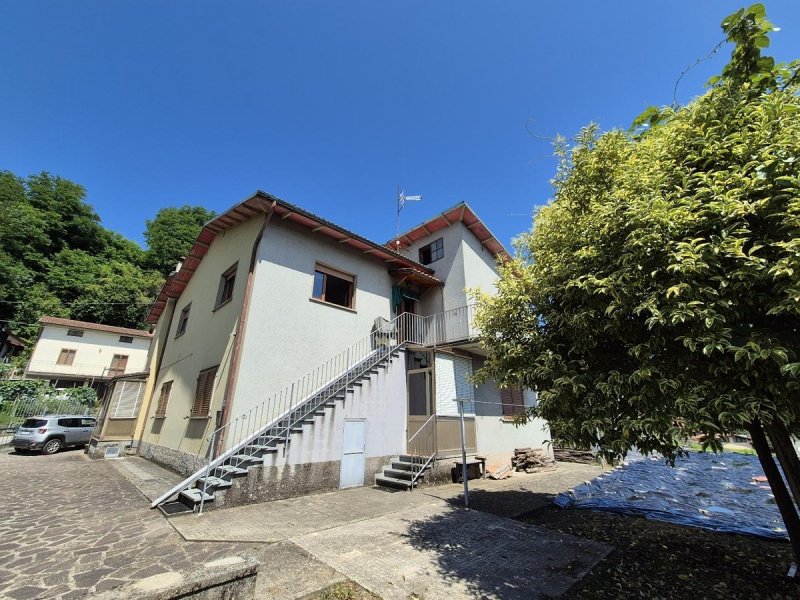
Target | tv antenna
(401,202)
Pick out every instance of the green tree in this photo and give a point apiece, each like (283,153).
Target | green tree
(657,296)
(171,233)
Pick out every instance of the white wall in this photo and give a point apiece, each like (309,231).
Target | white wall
(497,436)
(94,352)
(381,401)
(207,342)
(288,334)
(466,264)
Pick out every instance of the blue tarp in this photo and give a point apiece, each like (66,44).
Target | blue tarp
(712,491)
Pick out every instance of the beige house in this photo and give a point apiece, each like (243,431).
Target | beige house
(291,355)
(72,353)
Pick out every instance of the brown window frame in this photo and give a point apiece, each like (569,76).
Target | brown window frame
(327,272)
(227,283)
(434,250)
(68,359)
(163,399)
(183,320)
(114,371)
(513,402)
(204,393)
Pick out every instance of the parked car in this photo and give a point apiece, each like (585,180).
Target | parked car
(51,433)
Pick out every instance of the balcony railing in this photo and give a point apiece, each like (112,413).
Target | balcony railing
(44,367)
(450,326)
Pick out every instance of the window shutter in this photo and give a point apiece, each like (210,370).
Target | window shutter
(512,401)
(204,392)
(126,398)
(163,398)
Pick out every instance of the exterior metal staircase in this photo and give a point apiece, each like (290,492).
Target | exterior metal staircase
(268,428)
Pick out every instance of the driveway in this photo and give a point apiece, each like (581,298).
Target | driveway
(71,526)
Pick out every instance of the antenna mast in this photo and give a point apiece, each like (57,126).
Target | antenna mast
(401,202)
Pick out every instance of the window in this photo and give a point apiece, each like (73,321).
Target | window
(183,320)
(203,393)
(512,401)
(66,358)
(75,332)
(432,252)
(126,398)
(226,282)
(334,287)
(118,364)
(163,398)
(126,339)
(88,422)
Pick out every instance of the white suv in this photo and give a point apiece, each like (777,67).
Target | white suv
(51,433)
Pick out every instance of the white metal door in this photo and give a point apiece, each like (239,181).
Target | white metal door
(352,472)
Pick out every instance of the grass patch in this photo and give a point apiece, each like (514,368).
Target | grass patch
(346,590)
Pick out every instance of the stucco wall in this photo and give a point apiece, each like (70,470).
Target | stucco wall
(208,341)
(466,264)
(288,335)
(497,437)
(94,352)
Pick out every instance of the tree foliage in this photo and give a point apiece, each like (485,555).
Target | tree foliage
(171,233)
(57,259)
(657,296)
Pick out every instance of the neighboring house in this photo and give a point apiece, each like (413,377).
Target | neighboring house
(10,345)
(303,357)
(76,353)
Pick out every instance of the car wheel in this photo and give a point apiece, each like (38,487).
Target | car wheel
(52,446)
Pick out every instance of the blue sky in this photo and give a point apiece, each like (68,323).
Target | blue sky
(331,105)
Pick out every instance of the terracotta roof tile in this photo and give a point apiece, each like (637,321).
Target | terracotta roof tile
(94,326)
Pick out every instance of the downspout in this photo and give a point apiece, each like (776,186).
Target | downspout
(233,372)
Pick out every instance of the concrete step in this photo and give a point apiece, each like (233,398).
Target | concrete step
(245,459)
(296,430)
(407,458)
(399,474)
(260,450)
(391,482)
(404,466)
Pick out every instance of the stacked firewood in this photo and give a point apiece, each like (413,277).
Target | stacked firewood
(573,455)
(532,460)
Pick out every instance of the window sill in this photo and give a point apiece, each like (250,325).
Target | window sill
(120,419)
(508,419)
(199,417)
(331,304)
(159,416)
(221,304)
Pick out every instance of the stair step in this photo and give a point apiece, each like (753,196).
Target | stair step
(296,430)
(391,482)
(407,458)
(308,421)
(404,466)
(193,496)
(260,449)
(216,483)
(246,458)
(170,509)
(399,474)
(231,470)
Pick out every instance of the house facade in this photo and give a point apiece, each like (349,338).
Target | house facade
(71,353)
(291,355)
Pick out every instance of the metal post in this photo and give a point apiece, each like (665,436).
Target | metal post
(289,421)
(208,470)
(463,452)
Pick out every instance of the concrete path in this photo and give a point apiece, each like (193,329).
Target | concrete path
(423,543)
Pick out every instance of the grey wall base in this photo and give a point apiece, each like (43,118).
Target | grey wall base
(176,460)
(264,484)
(230,578)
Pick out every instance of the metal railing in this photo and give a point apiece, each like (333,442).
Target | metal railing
(82,369)
(422,448)
(248,433)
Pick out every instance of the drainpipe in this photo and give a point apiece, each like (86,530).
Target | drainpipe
(233,372)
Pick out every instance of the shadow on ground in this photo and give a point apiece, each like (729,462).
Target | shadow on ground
(489,557)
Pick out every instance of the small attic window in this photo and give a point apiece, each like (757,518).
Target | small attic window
(432,252)
(75,332)
(126,339)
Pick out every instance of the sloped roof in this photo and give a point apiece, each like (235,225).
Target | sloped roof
(461,212)
(94,326)
(261,203)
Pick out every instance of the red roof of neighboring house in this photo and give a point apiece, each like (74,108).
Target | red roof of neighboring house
(460,212)
(261,203)
(94,326)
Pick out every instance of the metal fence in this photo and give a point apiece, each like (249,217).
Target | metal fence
(13,413)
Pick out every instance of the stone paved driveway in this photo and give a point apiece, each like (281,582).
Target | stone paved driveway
(70,526)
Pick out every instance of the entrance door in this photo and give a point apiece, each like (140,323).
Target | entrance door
(352,470)
(420,399)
